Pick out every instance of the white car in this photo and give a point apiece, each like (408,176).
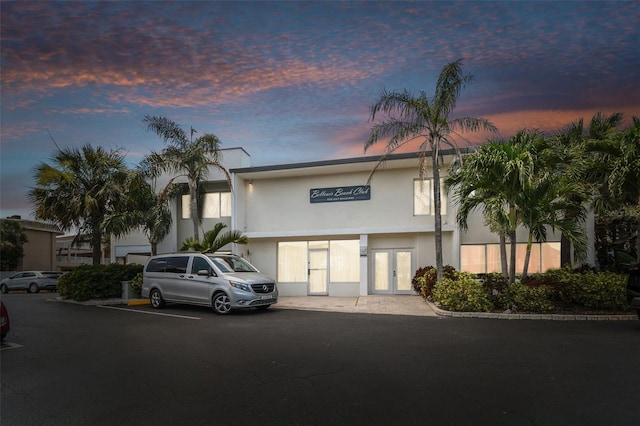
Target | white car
(32,281)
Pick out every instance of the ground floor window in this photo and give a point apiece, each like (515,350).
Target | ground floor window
(342,260)
(485,258)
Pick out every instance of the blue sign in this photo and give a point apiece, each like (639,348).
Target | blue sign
(340,193)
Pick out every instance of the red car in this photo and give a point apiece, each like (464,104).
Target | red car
(4,321)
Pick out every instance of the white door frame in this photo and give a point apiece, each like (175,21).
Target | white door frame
(390,280)
(317,269)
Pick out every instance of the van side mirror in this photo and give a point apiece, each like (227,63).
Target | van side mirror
(206,273)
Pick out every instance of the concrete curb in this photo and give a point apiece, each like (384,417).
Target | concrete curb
(546,317)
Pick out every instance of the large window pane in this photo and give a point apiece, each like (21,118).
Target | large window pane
(344,261)
(423,203)
(494,264)
(211,208)
(472,258)
(186,206)
(225,204)
(550,256)
(292,262)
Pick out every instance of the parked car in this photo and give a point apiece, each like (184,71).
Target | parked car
(32,281)
(222,281)
(5,324)
(633,290)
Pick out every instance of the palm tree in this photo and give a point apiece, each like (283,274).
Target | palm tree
(571,146)
(185,155)
(492,178)
(617,173)
(213,240)
(476,184)
(146,209)
(80,190)
(410,117)
(516,184)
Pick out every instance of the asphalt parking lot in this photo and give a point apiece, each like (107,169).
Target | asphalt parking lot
(119,365)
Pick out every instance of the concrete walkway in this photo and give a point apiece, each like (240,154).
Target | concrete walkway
(390,305)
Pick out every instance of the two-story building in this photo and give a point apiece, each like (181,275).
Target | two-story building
(320,229)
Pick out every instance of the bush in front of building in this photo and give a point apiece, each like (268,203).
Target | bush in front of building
(462,293)
(426,277)
(557,290)
(89,282)
(520,297)
(603,290)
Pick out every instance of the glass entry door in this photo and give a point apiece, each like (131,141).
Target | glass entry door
(392,271)
(318,276)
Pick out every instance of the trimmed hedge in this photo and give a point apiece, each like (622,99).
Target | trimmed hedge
(462,294)
(89,282)
(555,290)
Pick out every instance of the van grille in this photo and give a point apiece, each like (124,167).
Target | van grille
(263,288)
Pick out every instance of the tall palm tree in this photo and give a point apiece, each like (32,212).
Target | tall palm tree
(185,155)
(492,178)
(516,185)
(577,163)
(80,190)
(617,166)
(409,117)
(213,240)
(147,209)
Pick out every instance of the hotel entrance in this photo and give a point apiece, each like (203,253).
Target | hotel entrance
(392,271)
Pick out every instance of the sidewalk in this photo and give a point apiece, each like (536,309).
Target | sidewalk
(390,305)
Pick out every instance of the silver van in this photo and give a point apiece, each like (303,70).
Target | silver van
(222,281)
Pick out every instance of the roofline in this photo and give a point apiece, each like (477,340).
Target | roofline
(342,161)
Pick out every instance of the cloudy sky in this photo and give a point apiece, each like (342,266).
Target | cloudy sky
(293,81)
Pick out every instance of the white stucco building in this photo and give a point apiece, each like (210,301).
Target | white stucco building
(319,229)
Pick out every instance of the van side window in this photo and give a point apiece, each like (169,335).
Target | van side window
(199,264)
(157,265)
(177,265)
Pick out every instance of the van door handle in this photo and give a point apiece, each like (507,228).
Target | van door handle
(181,276)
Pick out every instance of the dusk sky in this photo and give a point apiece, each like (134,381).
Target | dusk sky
(293,81)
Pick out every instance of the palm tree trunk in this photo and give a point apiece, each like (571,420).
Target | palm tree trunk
(96,246)
(437,211)
(512,264)
(503,256)
(194,209)
(565,251)
(527,257)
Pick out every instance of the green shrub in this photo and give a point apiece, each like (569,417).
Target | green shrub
(462,294)
(523,298)
(96,281)
(425,278)
(496,285)
(136,283)
(604,290)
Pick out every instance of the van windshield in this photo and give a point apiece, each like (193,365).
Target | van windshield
(232,264)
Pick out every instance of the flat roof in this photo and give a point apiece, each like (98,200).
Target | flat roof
(342,161)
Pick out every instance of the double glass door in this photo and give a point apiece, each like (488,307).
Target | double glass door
(392,271)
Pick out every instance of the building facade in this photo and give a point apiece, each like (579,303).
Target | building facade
(320,228)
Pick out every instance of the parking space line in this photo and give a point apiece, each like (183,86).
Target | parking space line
(149,313)
(9,345)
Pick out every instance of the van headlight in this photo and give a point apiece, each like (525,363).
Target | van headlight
(240,286)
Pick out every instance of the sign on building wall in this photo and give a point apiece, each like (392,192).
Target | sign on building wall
(340,193)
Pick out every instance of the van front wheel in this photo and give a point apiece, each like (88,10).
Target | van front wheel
(221,304)
(156,299)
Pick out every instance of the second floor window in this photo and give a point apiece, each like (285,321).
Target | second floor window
(216,205)
(423,197)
